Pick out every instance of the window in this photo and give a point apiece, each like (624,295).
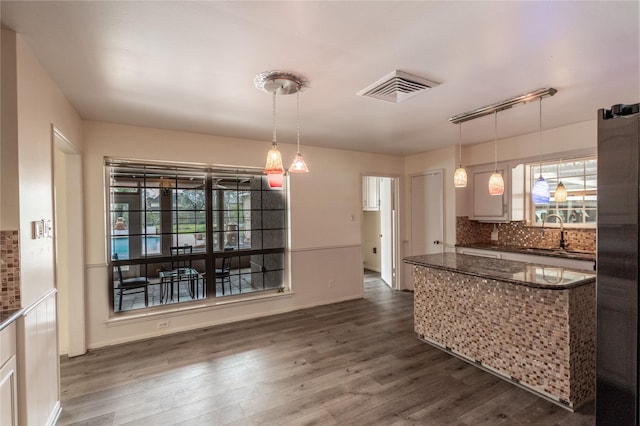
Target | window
(180,234)
(579,176)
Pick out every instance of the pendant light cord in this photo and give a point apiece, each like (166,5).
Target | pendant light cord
(460,143)
(298,117)
(274,116)
(495,145)
(540,137)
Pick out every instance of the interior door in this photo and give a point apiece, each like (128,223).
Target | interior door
(426,213)
(386,231)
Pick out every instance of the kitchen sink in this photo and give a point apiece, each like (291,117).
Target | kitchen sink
(557,251)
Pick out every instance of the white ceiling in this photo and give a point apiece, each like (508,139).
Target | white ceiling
(190,65)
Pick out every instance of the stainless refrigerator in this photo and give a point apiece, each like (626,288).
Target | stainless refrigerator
(617,266)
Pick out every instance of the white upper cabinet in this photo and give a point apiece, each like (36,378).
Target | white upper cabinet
(483,206)
(370,193)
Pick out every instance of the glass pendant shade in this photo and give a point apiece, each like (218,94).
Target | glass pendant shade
(460,177)
(275,180)
(561,193)
(540,193)
(496,184)
(273,168)
(298,165)
(274,160)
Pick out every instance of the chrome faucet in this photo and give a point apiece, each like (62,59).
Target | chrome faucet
(562,241)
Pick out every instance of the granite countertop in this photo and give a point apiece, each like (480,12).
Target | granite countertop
(551,252)
(520,273)
(7,317)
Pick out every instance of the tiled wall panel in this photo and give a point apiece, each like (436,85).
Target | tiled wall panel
(9,270)
(543,339)
(517,234)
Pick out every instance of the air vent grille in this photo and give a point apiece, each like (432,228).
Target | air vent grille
(397,87)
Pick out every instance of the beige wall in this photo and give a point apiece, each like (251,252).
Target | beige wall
(325,223)
(34,105)
(40,105)
(10,212)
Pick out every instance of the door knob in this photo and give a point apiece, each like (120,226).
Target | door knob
(436,242)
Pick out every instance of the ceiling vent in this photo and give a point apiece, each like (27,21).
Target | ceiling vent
(397,87)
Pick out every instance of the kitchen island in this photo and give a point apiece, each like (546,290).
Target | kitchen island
(531,324)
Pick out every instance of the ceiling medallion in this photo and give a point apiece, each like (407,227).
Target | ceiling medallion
(280,82)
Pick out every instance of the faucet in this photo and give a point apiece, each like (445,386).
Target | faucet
(562,241)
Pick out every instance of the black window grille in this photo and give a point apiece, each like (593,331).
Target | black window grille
(184,233)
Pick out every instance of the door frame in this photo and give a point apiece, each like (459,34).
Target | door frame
(68,222)
(396,273)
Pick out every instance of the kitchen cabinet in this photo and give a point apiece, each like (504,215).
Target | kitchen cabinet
(8,377)
(486,207)
(370,193)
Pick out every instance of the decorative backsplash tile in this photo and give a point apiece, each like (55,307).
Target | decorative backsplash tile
(517,234)
(9,270)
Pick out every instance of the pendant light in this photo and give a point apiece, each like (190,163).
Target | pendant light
(298,165)
(540,193)
(460,175)
(561,193)
(273,168)
(496,182)
(279,83)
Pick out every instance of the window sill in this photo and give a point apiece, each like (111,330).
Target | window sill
(191,308)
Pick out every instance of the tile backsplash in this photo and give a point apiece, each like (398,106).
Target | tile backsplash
(9,270)
(517,234)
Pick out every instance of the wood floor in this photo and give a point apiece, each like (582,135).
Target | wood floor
(351,363)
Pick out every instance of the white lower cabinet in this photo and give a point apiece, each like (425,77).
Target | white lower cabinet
(8,377)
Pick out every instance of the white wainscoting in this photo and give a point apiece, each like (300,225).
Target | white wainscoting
(38,363)
(318,276)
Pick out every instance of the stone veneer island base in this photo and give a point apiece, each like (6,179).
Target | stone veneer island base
(529,324)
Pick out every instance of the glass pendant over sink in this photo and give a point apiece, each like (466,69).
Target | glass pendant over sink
(540,193)
(496,182)
(561,193)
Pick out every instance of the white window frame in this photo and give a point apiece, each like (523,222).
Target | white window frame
(589,192)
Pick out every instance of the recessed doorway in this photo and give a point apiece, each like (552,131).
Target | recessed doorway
(380,227)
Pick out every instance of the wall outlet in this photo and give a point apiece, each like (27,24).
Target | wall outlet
(494,233)
(331,283)
(163,324)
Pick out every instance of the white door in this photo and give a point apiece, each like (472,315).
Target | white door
(426,213)
(386,231)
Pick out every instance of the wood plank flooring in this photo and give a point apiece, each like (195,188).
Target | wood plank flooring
(351,363)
